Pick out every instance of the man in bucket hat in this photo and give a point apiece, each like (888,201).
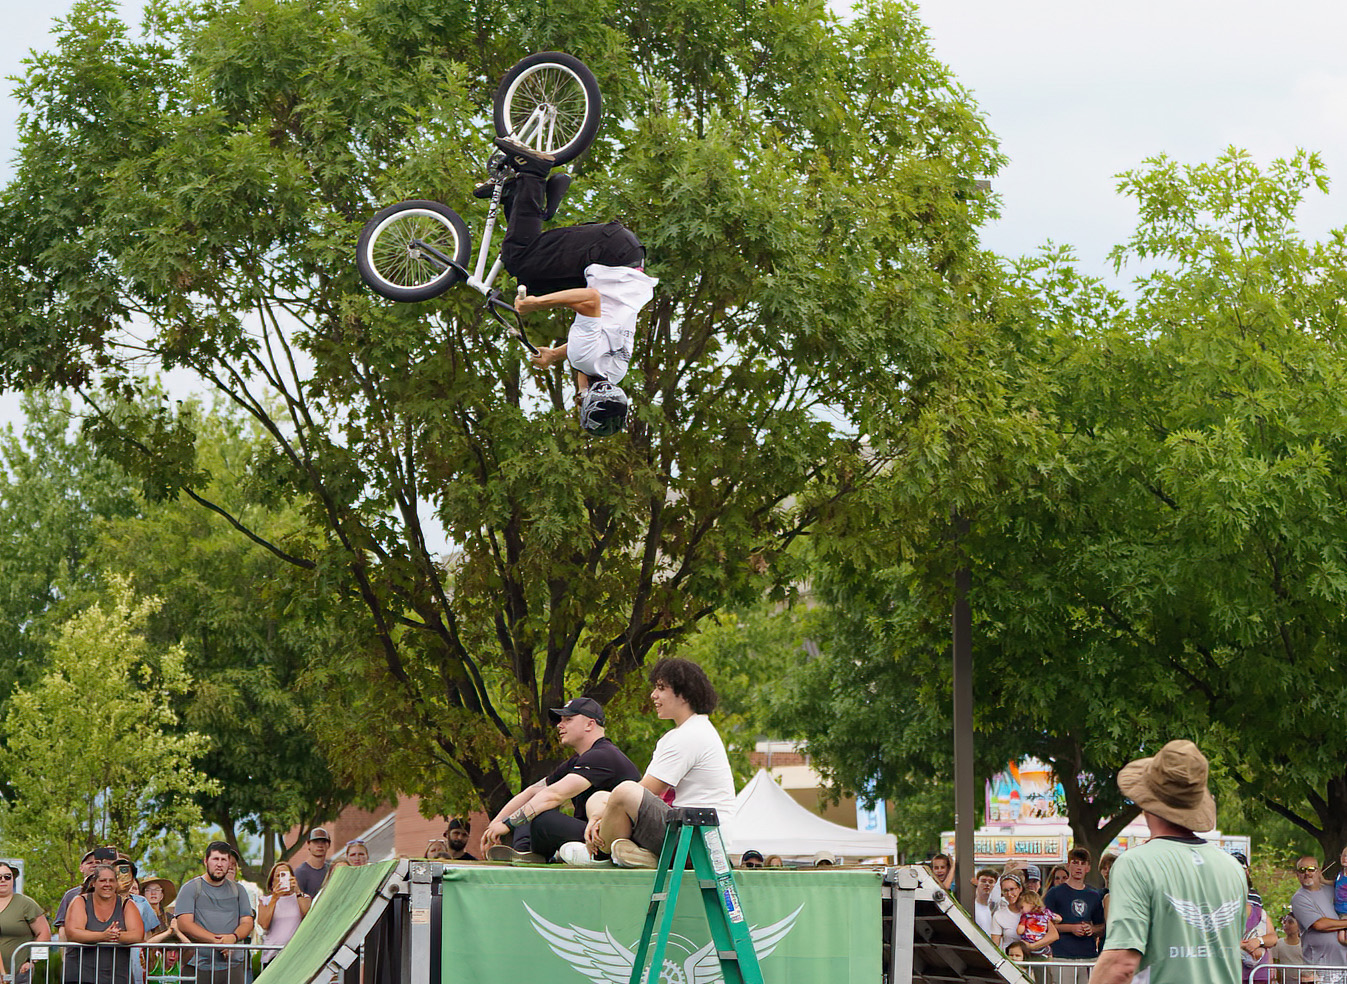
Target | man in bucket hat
(1176,902)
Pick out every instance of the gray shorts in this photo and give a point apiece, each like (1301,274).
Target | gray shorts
(651,816)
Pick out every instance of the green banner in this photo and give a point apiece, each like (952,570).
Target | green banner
(568,925)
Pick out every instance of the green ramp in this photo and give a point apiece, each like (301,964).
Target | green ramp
(349,896)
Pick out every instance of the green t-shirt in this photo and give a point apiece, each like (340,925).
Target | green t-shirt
(1180,903)
(16,927)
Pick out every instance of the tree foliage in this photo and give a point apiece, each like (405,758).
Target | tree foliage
(54,492)
(1239,442)
(93,751)
(250,630)
(1153,495)
(806,190)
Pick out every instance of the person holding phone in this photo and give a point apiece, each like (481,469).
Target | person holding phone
(281,910)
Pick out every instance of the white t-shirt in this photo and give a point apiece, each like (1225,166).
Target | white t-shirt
(691,758)
(982,915)
(601,347)
(1006,924)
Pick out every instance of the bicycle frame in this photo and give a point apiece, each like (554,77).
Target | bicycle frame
(542,120)
(475,279)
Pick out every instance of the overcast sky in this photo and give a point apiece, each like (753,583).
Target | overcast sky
(1078,91)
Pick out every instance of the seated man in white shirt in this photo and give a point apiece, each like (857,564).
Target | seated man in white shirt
(596,270)
(690,761)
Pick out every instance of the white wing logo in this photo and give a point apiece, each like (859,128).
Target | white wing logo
(600,958)
(1198,917)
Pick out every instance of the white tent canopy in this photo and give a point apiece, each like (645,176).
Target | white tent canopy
(767,819)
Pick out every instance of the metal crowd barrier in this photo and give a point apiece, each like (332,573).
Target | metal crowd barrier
(1300,974)
(1078,972)
(1057,971)
(141,963)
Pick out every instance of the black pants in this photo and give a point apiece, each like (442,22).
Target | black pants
(554,260)
(548,831)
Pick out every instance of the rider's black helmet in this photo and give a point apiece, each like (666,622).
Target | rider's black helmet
(603,409)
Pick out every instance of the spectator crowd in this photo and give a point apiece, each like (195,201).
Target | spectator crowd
(1065,922)
(130,930)
(202,931)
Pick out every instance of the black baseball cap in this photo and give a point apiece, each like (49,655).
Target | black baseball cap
(587,706)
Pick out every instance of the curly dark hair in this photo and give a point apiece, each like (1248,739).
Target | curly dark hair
(689,681)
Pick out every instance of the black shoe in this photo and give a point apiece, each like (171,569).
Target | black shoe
(557,186)
(502,853)
(521,157)
(497,173)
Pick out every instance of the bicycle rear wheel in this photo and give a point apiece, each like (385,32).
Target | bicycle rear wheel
(402,250)
(550,101)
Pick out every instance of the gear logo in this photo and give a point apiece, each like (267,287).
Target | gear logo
(600,958)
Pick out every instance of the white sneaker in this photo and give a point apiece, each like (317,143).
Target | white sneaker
(576,853)
(629,854)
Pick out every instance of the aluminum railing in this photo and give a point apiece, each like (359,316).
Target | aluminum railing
(140,963)
(1078,972)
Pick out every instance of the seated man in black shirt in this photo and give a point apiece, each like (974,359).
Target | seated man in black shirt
(597,765)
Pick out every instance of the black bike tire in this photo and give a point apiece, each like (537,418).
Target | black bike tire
(568,66)
(380,276)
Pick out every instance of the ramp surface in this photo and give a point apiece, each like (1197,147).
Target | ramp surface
(339,908)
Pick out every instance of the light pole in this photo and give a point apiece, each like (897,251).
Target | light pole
(964,779)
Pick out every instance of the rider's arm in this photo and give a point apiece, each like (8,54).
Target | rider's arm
(581,300)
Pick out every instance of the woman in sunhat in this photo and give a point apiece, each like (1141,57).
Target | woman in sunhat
(160,893)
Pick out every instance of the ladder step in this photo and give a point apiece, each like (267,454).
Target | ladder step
(707,884)
(727,955)
(659,897)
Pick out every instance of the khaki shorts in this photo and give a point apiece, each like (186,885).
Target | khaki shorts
(651,818)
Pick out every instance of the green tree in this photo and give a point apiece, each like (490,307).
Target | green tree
(92,749)
(806,188)
(1238,439)
(250,631)
(1154,498)
(54,491)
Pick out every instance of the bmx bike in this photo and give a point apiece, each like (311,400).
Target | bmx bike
(417,249)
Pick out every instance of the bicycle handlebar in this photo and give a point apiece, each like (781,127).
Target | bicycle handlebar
(494,303)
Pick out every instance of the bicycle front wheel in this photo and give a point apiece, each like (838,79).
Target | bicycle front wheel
(550,102)
(403,250)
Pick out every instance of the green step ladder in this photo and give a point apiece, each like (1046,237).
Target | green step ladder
(695,833)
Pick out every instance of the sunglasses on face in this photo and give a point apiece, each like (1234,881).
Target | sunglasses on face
(1306,871)
(6,877)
